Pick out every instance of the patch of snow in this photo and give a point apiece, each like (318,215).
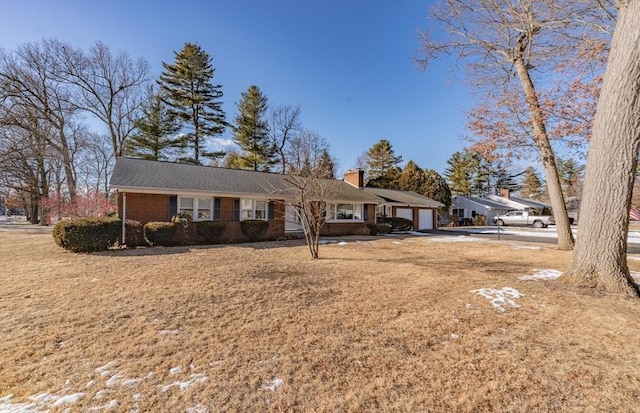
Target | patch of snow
(111,405)
(323,242)
(175,370)
(104,368)
(183,385)
(101,393)
(90,383)
(341,243)
(72,398)
(130,382)
(633,257)
(41,398)
(113,380)
(458,238)
(198,409)
(500,298)
(397,242)
(7,407)
(273,384)
(169,331)
(542,275)
(525,247)
(468,305)
(454,336)
(95,280)
(137,397)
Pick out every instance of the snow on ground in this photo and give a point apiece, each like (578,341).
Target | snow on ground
(541,275)
(342,243)
(184,385)
(550,232)
(500,298)
(273,384)
(525,247)
(457,238)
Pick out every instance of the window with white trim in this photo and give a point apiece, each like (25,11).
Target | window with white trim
(253,209)
(344,212)
(200,209)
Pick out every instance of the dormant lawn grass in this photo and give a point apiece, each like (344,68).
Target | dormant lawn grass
(389,324)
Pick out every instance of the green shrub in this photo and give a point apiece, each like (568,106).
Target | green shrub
(480,220)
(398,224)
(376,229)
(87,234)
(254,229)
(210,231)
(160,233)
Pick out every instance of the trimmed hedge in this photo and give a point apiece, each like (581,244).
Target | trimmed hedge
(375,229)
(160,233)
(87,234)
(210,231)
(398,224)
(254,229)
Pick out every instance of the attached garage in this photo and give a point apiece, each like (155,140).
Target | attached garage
(405,213)
(426,219)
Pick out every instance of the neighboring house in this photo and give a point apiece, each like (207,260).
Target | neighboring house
(421,210)
(467,207)
(523,204)
(156,191)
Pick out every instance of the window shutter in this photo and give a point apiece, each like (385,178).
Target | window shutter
(272,211)
(173,206)
(365,212)
(236,209)
(217,209)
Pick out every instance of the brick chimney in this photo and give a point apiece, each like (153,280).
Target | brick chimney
(505,193)
(355,177)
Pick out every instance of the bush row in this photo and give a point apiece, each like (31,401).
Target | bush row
(99,234)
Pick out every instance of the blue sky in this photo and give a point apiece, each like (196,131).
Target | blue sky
(348,63)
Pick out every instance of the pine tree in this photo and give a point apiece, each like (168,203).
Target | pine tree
(460,173)
(571,175)
(434,186)
(326,167)
(251,131)
(155,131)
(380,158)
(188,90)
(411,178)
(531,184)
(387,181)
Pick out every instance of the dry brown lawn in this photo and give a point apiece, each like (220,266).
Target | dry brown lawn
(387,324)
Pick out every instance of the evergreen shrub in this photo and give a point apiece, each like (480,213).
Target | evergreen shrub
(87,234)
(376,229)
(210,231)
(398,224)
(160,233)
(254,229)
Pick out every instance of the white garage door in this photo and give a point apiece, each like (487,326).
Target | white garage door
(426,219)
(404,213)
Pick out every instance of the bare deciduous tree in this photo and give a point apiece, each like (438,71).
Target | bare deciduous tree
(600,260)
(508,43)
(284,123)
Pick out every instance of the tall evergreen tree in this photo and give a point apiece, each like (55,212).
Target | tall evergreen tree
(326,166)
(154,132)
(434,186)
(251,131)
(571,176)
(531,184)
(459,173)
(411,178)
(380,158)
(188,90)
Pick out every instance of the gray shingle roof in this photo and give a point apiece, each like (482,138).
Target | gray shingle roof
(404,197)
(166,177)
(485,202)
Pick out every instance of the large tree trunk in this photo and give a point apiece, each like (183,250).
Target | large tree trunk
(541,139)
(600,259)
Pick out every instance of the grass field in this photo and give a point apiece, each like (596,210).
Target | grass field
(389,324)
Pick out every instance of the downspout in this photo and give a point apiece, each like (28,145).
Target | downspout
(124,217)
